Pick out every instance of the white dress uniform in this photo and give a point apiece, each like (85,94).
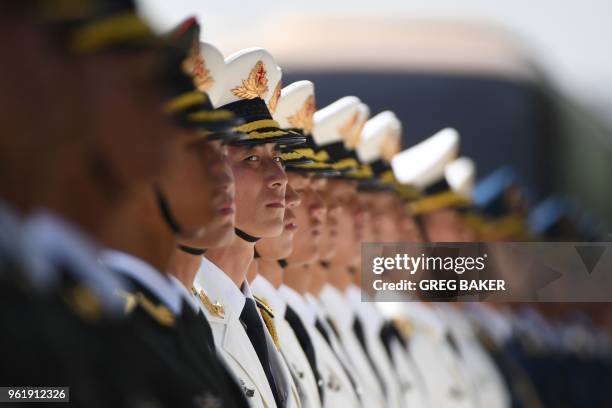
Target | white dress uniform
(343,315)
(339,391)
(280,370)
(481,369)
(443,375)
(373,324)
(222,303)
(404,385)
(290,347)
(334,341)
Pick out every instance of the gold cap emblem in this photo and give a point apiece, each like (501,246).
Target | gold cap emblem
(302,119)
(274,100)
(195,66)
(256,85)
(347,131)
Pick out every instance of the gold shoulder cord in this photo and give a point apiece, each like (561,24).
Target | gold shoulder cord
(268,317)
(216,309)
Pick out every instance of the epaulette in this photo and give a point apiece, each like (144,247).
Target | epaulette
(268,317)
(404,327)
(216,309)
(160,313)
(83,302)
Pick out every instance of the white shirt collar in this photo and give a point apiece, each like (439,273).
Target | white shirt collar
(53,242)
(315,305)
(298,304)
(145,274)
(184,293)
(371,317)
(264,289)
(337,306)
(219,288)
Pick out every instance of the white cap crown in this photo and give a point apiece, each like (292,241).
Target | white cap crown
(296,106)
(461,175)
(380,138)
(424,163)
(336,120)
(247,74)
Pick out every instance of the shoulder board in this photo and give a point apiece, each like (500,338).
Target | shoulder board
(404,327)
(160,313)
(83,302)
(129,299)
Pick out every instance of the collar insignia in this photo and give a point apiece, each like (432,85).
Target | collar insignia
(216,309)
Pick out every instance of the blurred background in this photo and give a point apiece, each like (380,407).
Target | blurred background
(527,84)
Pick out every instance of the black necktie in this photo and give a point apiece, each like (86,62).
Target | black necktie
(358,330)
(322,330)
(302,335)
(255,330)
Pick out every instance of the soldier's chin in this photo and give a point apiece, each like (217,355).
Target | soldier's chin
(269,229)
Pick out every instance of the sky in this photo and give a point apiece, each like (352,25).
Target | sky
(570,39)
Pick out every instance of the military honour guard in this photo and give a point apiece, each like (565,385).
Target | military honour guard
(181,228)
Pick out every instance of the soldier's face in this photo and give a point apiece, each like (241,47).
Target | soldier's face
(362,220)
(344,193)
(446,225)
(383,217)
(127,136)
(260,189)
(203,170)
(281,246)
(329,234)
(309,215)
(409,229)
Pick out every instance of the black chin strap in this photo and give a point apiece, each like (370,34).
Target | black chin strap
(191,250)
(164,207)
(282,263)
(245,236)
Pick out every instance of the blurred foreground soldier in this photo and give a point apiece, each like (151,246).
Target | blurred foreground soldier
(248,84)
(61,311)
(179,205)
